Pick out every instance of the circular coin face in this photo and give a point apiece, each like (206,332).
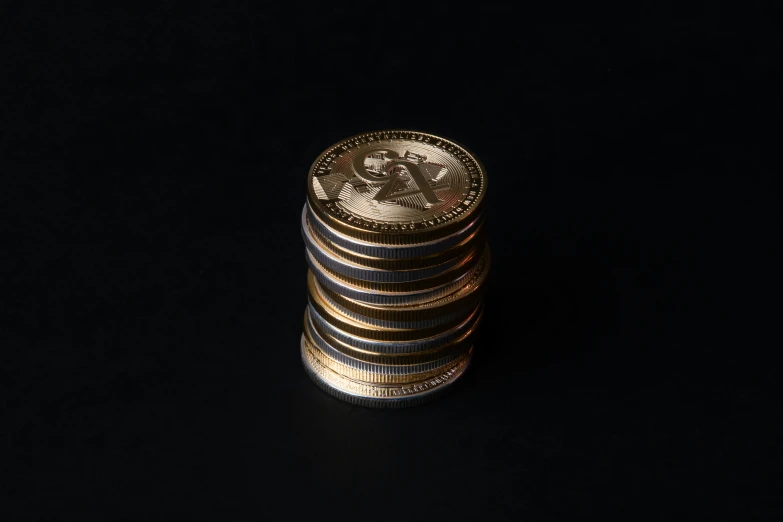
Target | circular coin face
(396,187)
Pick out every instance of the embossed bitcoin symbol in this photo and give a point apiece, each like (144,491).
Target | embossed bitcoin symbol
(392,174)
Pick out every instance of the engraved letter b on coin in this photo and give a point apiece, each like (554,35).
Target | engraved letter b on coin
(399,177)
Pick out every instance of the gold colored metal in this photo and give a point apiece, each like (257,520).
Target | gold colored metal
(379,376)
(373,395)
(396,187)
(462,301)
(396,348)
(476,237)
(350,325)
(395,238)
(466,265)
(458,345)
(359,272)
(392,251)
(384,298)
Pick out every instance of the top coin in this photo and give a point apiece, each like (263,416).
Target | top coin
(396,187)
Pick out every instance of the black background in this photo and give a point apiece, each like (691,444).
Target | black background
(154,162)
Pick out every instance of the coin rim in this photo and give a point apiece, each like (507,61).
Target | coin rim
(384,348)
(465,297)
(347,324)
(381,374)
(471,260)
(375,401)
(454,345)
(475,236)
(356,271)
(397,237)
(393,251)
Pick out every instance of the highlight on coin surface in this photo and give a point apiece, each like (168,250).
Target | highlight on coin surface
(396,187)
(395,242)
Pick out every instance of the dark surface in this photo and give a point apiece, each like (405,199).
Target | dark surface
(154,280)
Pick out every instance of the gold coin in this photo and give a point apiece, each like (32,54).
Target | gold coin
(460,302)
(349,269)
(467,264)
(362,389)
(351,326)
(396,187)
(395,348)
(475,237)
(386,298)
(379,373)
(392,251)
(457,345)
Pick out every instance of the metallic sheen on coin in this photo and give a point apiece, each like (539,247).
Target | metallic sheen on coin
(396,187)
(395,234)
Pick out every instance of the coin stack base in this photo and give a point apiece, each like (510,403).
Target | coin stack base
(395,237)
(374,396)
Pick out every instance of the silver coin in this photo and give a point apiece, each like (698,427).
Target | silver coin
(396,347)
(314,336)
(391,251)
(347,268)
(379,396)
(427,322)
(465,299)
(385,298)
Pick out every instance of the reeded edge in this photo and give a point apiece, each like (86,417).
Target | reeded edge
(377,348)
(407,400)
(345,323)
(398,237)
(424,322)
(464,298)
(391,251)
(391,299)
(464,265)
(383,374)
(353,270)
(339,352)
(456,345)
(466,244)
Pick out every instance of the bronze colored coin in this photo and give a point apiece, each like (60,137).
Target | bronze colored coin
(396,187)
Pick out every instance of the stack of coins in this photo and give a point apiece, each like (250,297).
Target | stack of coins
(396,245)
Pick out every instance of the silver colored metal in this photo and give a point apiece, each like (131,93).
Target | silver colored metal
(468,243)
(385,298)
(335,354)
(352,270)
(386,324)
(443,311)
(380,347)
(458,344)
(391,251)
(395,236)
(374,395)
(368,331)
(462,301)
(468,261)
